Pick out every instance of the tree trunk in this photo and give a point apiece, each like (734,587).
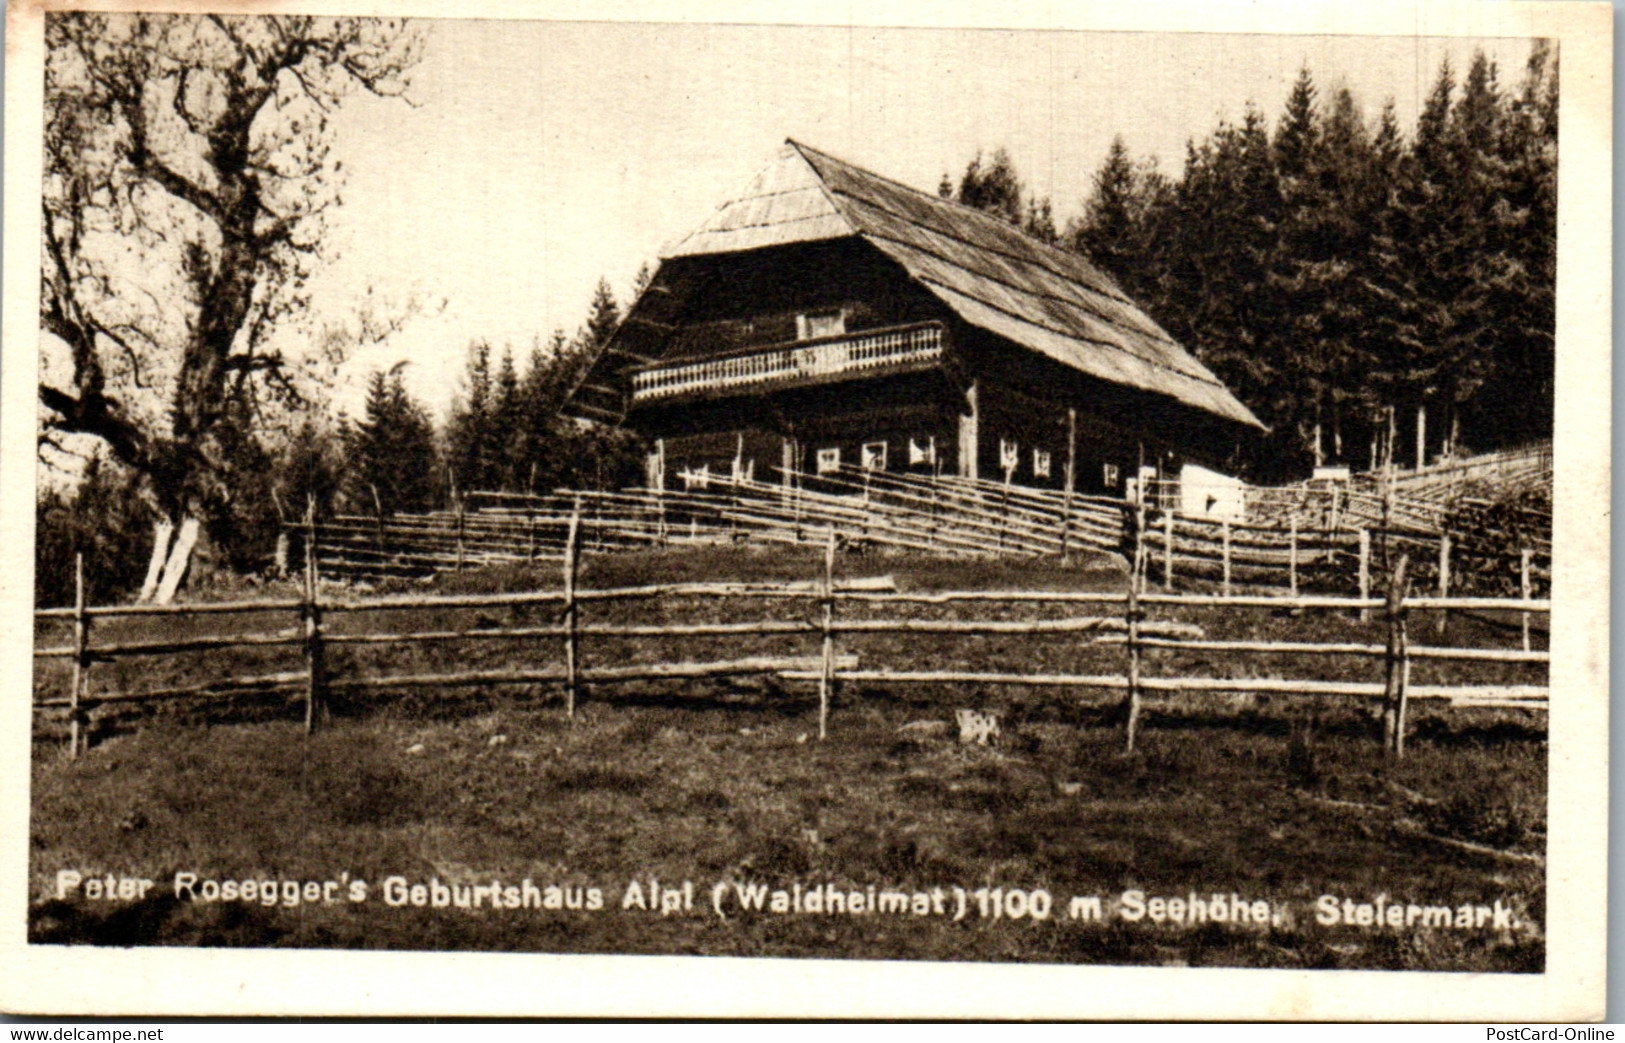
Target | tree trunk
(179,557)
(162,530)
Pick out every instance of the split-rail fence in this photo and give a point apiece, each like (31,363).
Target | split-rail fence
(1121,617)
(1332,546)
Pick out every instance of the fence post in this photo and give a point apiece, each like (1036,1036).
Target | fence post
(1071,480)
(1365,571)
(459,506)
(378,523)
(81,657)
(1527,589)
(1227,557)
(1292,559)
(1444,577)
(660,488)
(660,511)
(1131,612)
(1140,563)
(936,493)
(1397,663)
(570,637)
(826,676)
(1167,549)
(313,634)
(868,503)
(1009,472)
(530,521)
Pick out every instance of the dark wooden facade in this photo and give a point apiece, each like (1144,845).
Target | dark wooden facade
(774,343)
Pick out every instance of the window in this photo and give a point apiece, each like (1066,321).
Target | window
(874,456)
(1040,463)
(1009,455)
(1108,475)
(831,323)
(919,454)
(829,460)
(698,478)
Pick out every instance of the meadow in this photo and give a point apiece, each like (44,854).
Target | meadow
(724,785)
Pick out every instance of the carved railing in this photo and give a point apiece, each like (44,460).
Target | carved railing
(798,360)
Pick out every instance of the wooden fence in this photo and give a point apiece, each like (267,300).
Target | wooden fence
(1123,617)
(941,515)
(1334,547)
(1233,556)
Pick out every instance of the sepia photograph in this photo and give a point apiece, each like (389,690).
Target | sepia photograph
(977,513)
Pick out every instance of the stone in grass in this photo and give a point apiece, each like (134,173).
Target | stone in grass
(977,727)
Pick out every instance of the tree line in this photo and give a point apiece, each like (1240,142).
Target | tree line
(1359,287)
(505,432)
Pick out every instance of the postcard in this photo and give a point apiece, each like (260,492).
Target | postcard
(739,510)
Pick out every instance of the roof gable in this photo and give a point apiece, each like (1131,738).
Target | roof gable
(785,203)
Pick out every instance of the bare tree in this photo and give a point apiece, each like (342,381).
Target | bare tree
(188,172)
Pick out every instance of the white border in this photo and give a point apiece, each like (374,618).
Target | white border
(171,981)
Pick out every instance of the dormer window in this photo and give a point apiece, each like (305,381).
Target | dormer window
(813,324)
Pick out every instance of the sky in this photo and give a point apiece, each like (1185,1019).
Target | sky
(536,157)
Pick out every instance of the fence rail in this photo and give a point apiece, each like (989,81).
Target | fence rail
(1122,619)
(1335,547)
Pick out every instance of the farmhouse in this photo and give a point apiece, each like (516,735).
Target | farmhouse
(827,317)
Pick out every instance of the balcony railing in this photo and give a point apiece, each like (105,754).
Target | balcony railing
(794,362)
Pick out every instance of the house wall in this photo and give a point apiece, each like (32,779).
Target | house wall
(844,418)
(1105,453)
(922,409)
(919,410)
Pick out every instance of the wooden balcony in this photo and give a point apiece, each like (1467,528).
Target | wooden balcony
(798,362)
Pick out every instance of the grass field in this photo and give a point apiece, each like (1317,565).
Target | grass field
(724,786)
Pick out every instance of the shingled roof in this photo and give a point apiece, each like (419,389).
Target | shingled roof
(988,272)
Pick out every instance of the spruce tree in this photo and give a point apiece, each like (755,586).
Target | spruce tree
(392,460)
(1330,194)
(995,188)
(1220,238)
(547,437)
(1106,234)
(1516,402)
(642,280)
(1040,221)
(507,471)
(413,449)
(472,430)
(371,450)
